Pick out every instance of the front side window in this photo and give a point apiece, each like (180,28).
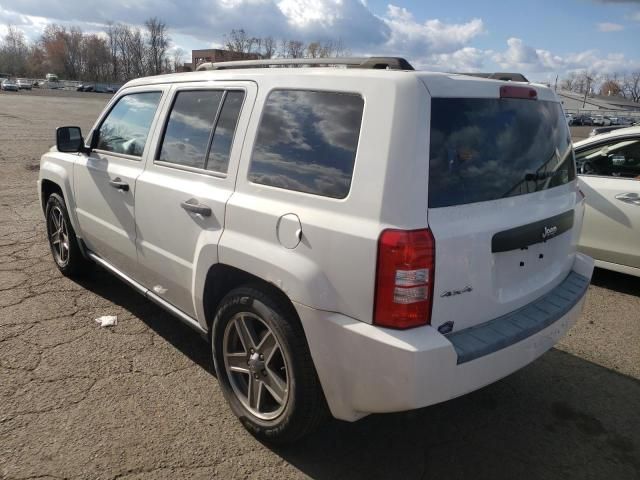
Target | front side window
(618,158)
(126,128)
(307,142)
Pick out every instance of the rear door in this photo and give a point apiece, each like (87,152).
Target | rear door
(503,204)
(182,195)
(610,179)
(105,180)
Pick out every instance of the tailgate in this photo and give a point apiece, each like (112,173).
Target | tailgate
(503,204)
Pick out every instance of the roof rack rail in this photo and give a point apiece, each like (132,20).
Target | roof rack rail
(375,63)
(507,76)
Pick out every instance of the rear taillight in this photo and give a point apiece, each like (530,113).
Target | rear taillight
(511,91)
(404,278)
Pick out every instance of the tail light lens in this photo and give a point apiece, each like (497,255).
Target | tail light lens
(404,278)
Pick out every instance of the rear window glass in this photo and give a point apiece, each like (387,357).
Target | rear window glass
(307,142)
(486,149)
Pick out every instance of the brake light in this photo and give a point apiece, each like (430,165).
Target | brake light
(404,278)
(511,91)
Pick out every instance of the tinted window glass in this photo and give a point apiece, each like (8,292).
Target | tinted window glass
(188,130)
(307,142)
(126,127)
(485,149)
(619,158)
(221,146)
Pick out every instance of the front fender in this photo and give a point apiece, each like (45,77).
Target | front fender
(57,168)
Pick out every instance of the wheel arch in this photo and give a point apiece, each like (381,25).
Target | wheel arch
(56,176)
(222,279)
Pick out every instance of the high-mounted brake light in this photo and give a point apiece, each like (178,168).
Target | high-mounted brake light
(404,278)
(512,91)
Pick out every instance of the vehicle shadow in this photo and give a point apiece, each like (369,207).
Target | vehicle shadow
(619,282)
(560,417)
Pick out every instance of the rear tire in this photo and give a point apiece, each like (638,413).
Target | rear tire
(264,366)
(62,239)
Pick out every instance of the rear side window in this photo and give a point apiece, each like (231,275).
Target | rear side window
(200,129)
(126,127)
(307,142)
(188,130)
(225,127)
(486,149)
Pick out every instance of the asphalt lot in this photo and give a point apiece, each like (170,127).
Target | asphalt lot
(140,400)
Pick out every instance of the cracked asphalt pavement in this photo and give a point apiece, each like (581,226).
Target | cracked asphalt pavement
(140,401)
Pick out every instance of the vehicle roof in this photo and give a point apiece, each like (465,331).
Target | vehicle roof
(433,80)
(619,132)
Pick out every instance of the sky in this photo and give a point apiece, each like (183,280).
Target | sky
(541,38)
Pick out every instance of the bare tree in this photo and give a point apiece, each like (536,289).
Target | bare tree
(158,43)
(239,41)
(631,86)
(13,53)
(295,49)
(177,58)
(314,50)
(268,47)
(568,82)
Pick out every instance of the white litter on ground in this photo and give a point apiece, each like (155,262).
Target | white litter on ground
(107,320)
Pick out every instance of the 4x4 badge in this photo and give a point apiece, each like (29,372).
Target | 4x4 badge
(452,293)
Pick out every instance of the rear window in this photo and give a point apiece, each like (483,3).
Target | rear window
(486,149)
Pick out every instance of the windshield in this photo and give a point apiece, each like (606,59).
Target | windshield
(486,149)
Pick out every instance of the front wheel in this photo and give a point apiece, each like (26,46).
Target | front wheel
(62,238)
(264,366)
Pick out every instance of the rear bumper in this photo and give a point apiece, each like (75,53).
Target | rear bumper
(366,369)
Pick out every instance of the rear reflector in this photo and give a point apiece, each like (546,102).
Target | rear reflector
(404,278)
(510,91)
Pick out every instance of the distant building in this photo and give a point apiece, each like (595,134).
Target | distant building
(217,55)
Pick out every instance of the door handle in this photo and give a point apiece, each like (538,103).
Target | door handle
(194,206)
(629,197)
(118,184)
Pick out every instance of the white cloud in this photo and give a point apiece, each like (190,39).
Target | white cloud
(433,44)
(609,27)
(524,58)
(430,37)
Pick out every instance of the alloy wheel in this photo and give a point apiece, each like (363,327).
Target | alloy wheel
(58,236)
(256,366)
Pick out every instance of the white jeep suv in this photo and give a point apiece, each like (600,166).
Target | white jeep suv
(351,240)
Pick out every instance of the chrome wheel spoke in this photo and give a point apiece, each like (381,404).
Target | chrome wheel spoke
(268,346)
(55,220)
(255,393)
(244,333)
(237,362)
(55,237)
(276,386)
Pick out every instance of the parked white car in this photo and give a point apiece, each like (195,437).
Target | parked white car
(609,168)
(369,239)
(601,120)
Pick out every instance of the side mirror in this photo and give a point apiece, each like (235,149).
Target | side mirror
(69,140)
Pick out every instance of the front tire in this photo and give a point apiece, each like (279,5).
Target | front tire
(264,366)
(62,238)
